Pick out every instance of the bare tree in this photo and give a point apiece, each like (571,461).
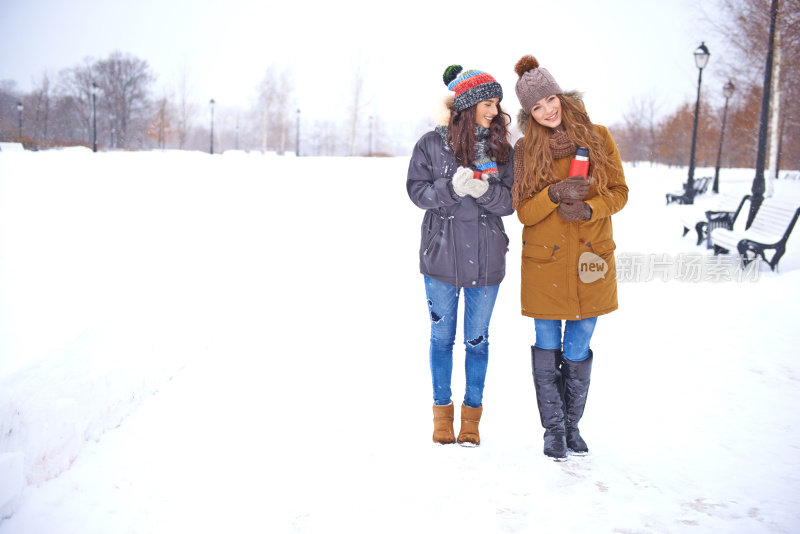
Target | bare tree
(274,108)
(638,132)
(124,81)
(186,109)
(9,96)
(357,100)
(75,89)
(41,114)
(161,123)
(282,109)
(267,91)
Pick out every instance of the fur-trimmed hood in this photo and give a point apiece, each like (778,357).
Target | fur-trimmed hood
(523,115)
(441,114)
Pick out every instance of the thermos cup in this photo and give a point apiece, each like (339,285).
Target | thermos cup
(579,166)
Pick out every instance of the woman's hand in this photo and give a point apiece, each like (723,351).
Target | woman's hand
(572,188)
(572,211)
(464,183)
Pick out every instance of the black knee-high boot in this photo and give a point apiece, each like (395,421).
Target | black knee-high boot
(547,381)
(575,376)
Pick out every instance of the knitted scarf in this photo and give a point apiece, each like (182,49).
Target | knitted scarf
(561,145)
(483,162)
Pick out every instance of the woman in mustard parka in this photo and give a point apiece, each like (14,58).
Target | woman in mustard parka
(568,270)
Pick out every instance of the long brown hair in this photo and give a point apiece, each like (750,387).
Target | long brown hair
(461,136)
(538,159)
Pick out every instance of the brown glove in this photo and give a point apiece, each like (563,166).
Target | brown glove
(572,188)
(574,211)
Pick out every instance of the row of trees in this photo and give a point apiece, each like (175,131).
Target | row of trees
(130,115)
(644,136)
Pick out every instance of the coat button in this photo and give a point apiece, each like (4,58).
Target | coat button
(474,282)
(577,316)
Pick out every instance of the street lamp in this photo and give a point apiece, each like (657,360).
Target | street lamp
(297,136)
(727,92)
(759,185)
(701,59)
(19,111)
(370,135)
(211,103)
(94,116)
(113,119)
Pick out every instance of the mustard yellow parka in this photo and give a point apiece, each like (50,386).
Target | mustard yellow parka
(568,268)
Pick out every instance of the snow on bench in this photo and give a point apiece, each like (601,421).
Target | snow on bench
(719,213)
(11,147)
(770,230)
(700,187)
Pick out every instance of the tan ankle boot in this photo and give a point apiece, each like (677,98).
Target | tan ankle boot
(443,424)
(470,417)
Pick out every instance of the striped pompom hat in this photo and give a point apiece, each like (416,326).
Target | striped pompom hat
(471,86)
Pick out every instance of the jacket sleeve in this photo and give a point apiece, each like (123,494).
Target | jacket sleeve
(497,199)
(617,197)
(429,188)
(534,209)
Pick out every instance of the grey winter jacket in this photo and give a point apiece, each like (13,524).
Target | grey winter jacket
(463,240)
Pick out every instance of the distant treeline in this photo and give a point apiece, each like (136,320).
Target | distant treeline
(115,98)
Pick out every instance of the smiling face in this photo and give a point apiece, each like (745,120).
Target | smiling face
(486,111)
(547,111)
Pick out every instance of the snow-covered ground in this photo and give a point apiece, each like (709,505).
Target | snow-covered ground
(238,343)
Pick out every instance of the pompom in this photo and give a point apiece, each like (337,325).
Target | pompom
(450,73)
(525,64)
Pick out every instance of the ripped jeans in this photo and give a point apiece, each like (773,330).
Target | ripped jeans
(443,314)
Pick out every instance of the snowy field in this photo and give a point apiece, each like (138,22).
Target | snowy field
(238,343)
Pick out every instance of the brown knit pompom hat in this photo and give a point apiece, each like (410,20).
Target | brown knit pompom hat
(534,82)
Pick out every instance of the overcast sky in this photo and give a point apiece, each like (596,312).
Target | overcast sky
(613,51)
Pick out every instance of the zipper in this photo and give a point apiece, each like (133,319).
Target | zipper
(433,236)
(453,241)
(486,244)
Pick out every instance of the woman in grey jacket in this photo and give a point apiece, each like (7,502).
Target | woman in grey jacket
(461,175)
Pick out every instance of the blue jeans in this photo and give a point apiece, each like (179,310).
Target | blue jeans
(577,336)
(443,314)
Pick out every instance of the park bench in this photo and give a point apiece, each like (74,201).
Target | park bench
(792,175)
(700,187)
(770,230)
(722,215)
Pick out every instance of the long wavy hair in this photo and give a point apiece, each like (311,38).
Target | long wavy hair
(537,157)
(461,136)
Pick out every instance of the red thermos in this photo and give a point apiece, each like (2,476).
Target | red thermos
(579,166)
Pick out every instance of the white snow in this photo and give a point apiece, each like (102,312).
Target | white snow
(238,343)
(11,147)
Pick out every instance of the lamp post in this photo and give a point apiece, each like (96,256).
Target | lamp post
(370,135)
(759,185)
(701,59)
(20,107)
(727,92)
(113,138)
(211,103)
(94,116)
(297,136)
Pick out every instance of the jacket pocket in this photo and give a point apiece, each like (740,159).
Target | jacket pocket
(602,248)
(538,253)
(434,232)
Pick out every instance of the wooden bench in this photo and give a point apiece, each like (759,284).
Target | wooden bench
(792,175)
(700,187)
(770,230)
(724,212)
